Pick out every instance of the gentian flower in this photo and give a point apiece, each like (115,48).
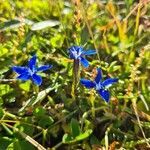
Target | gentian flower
(78,53)
(30,72)
(100,86)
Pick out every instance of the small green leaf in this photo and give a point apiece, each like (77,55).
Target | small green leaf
(75,128)
(4,89)
(57,41)
(3,51)
(9,25)
(39,111)
(68,139)
(25,86)
(1,112)
(8,130)
(20,145)
(44,24)
(84,135)
(25,127)
(94,140)
(41,95)
(15,23)
(4,142)
(45,121)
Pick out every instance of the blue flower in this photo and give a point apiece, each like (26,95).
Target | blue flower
(78,53)
(30,72)
(100,86)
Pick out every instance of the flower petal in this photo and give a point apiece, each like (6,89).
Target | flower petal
(76,48)
(99,75)
(87,83)
(37,79)
(104,94)
(75,52)
(43,68)
(84,62)
(32,63)
(108,82)
(24,77)
(79,49)
(71,55)
(20,70)
(89,52)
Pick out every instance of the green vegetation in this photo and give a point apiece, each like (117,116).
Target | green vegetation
(61,113)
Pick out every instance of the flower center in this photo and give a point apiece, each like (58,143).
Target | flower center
(31,71)
(99,86)
(76,53)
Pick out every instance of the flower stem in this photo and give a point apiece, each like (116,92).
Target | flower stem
(76,74)
(92,100)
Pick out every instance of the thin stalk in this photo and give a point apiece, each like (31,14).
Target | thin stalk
(27,137)
(107,139)
(139,123)
(84,15)
(136,24)
(76,75)
(8,80)
(92,100)
(62,119)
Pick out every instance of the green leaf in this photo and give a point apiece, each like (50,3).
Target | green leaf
(15,23)
(4,89)
(25,86)
(44,24)
(4,142)
(26,127)
(39,111)
(20,145)
(3,51)
(45,121)
(67,138)
(9,25)
(8,130)
(84,135)
(75,128)
(57,41)
(94,140)
(1,112)
(34,100)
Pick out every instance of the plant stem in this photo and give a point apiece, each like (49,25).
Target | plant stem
(27,137)
(76,74)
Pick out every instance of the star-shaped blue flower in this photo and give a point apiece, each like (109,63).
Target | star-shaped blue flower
(78,53)
(30,72)
(100,86)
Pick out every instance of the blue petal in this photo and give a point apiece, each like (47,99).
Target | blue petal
(76,48)
(43,68)
(89,52)
(75,52)
(24,77)
(99,75)
(20,70)
(32,63)
(37,79)
(109,82)
(104,94)
(87,83)
(84,62)
(79,49)
(71,55)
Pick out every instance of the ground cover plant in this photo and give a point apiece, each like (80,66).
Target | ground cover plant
(74,74)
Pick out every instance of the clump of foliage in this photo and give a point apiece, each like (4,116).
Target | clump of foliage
(69,106)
